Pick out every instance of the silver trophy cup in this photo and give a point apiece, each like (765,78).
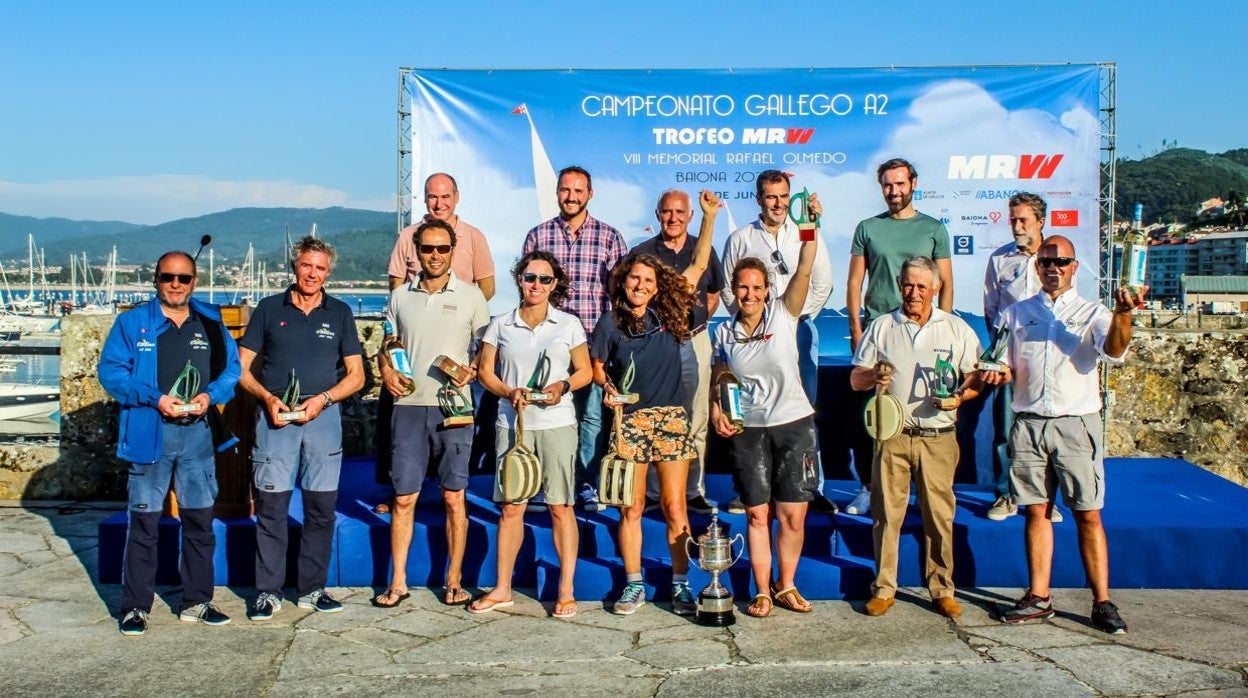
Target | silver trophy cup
(715,556)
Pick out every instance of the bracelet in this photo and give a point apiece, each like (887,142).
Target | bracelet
(329,399)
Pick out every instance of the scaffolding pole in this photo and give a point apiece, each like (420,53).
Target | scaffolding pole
(403,186)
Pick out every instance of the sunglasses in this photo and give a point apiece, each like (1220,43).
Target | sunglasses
(165,277)
(1061,262)
(779,260)
(430,249)
(543,279)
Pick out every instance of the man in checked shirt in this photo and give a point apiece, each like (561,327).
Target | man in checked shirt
(587,249)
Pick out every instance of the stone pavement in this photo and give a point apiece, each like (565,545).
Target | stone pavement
(58,636)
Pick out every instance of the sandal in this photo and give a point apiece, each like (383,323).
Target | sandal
(760,607)
(383,600)
(455,596)
(791,599)
(484,604)
(565,608)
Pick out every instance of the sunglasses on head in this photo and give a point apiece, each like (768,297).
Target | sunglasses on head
(1061,262)
(430,249)
(779,260)
(165,277)
(544,279)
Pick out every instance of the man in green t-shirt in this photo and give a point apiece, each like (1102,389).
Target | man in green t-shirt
(881,244)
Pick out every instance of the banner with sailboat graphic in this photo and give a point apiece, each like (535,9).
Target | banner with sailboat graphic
(975,134)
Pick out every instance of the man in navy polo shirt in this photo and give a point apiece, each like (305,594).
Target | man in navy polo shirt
(167,362)
(307,334)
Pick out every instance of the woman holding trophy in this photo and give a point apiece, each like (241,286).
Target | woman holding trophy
(635,353)
(773,445)
(533,358)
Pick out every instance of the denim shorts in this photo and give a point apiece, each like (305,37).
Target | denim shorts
(308,455)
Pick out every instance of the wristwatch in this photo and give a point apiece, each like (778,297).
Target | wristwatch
(567,387)
(329,400)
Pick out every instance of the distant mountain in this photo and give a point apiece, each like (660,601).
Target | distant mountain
(13,231)
(1173,182)
(231,232)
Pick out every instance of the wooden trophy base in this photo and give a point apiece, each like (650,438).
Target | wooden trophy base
(462,420)
(623,398)
(945,403)
(995,366)
(291,415)
(538,397)
(186,408)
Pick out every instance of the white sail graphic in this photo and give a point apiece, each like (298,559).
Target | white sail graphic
(732,223)
(543,172)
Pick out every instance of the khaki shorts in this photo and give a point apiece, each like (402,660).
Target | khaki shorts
(1048,452)
(654,434)
(556,450)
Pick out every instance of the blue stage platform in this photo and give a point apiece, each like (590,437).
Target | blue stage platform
(1170,525)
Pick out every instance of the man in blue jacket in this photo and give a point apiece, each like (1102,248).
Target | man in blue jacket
(167,362)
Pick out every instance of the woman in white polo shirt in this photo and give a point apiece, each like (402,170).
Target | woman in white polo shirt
(512,348)
(775,456)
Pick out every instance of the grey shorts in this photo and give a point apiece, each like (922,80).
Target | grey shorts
(556,450)
(307,455)
(1048,452)
(420,443)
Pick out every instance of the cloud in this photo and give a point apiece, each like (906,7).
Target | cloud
(160,198)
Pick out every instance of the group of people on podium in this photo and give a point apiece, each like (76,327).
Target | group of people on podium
(610,353)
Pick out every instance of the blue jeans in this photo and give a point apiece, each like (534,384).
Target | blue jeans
(593,444)
(808,366)
(187,458)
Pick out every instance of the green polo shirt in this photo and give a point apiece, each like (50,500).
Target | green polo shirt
(886,243)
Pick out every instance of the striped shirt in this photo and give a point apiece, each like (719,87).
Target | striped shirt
(587,259)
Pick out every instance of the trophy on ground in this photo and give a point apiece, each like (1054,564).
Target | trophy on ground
(290,398)
(715,556)
(186,387)
(806,221)
(943,376)
(990,360)
(625,396)
(535,389)
(455,406)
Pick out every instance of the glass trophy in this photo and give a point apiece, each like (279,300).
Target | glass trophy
(625,394)
(990,360)
(806,221)
(185,388)
(944,376)
(290,398)
(537,381)
(455,406)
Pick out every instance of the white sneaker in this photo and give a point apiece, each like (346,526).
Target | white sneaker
(1002,509)
(861,506)
(1055,515)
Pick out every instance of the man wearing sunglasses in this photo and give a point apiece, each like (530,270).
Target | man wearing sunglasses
(167,362)
(307,334)
(436,314)
(881,244)
(674,247)
(1057,340)
(588,250)
(774,238)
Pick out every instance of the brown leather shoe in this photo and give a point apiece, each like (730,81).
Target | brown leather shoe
(878,606)
(947,607)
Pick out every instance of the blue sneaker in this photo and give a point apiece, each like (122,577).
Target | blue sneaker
(682,600)
(320,601)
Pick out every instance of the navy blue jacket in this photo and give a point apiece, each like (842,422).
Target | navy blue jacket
(128,372)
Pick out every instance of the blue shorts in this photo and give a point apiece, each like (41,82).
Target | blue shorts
(309,455)
(420,441)
(187,458)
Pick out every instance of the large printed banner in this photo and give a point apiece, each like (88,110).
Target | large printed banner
(975,134)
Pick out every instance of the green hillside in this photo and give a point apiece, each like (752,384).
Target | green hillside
(1173,182)
(13,231)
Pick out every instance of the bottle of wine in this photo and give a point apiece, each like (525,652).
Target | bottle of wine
(397,354)
(1134,254)
(729,389)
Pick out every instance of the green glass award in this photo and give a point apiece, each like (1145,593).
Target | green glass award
(291,398)
(455,405)
(806,221)
(990,360)
(944,376)
(537,380)
(185,388)
(625,396)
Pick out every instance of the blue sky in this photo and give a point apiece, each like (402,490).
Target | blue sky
(151,111)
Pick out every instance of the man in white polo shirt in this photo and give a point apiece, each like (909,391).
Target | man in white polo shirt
(1057,340)
(913,339)
(437,314)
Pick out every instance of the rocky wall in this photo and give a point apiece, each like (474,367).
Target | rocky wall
(1181,394)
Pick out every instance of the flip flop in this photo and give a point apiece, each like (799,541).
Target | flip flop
(485,604)
(791,599)
(398,596)
(454,596)
(761,602)
(564,609)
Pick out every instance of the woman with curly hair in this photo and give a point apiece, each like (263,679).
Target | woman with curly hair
(640,339)
(540,348)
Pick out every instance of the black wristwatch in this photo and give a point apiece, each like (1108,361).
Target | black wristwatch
(567,387)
